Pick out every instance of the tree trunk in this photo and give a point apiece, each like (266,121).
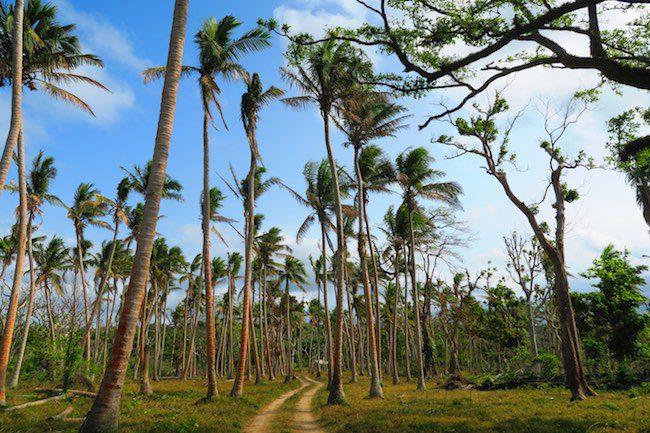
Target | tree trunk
(395,318)
(238,385)
(12,309)
(375,382)
(104,413)
(328,323)
(289,373)
(351,336)
(15,125)
(30,306)
(207,269)
(416,307)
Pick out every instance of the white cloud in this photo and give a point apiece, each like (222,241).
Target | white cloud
(103,37)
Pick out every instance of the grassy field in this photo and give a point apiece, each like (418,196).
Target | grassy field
(406,410)
(173,408)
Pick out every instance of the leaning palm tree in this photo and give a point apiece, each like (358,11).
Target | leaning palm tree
(38,193)
(104,413)
(51,56)
(16,123)
(10,320)
(219,56)
(252,102)
(87,208)
(119,210)
(366,116)
(416,179)
(292,272)
(323,79)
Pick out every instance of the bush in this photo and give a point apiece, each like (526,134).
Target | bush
(549,365)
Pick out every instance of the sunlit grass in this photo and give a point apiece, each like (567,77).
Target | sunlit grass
(405,410)
(175,407)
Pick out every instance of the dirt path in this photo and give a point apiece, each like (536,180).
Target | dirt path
(303,419)
(263,420)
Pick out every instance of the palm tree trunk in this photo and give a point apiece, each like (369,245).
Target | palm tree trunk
(416,308)
(351,336)
(207,269)
(328,323)
(395,319)
(336,395)
(30,306)
(12,309)
(102,283)
(82,276)
(289,359)
(407,349)
(185,314)
(104,413)
(231,298)
(15,125)
(238,385)
(375,384)
(256,353)
(266,326)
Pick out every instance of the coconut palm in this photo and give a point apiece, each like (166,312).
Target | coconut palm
(12,309)
(87,208)
(139,179)
(252,102)
(417,178)
(292,272)
(15,125)
(42,172)
(366,116)
(118,209)
(323,80)
(104,414)
(234,262)
(319,198)
(219,56)
(51,56)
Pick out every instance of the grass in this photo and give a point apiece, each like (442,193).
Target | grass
(174,408)
(406,410)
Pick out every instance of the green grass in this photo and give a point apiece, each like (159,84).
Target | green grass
(174,408)
(406,410)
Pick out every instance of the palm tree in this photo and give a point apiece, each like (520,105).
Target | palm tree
(119,210)
(10,320)
(219,56)
(87,208)
(16,123)
(140,177)
(292,272)
(51,55)
(319,198)
(252,102)
(366,116)
(104,413)
(38,185)
(416,179)
(324,79)
(234,262)
(378,174)
(268,245)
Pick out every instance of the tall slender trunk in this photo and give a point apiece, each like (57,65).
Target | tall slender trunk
(256,352)
(375,275)
(15,124)
(416,307)
(30,306)
(267,341)
(238,385)
(102,283)
(84,289)
(289,360)
(351,336)
(328,323)
(185,315)
(207,269)
(336,394)
(395,318)
(12,309)
(231,299)
(407,349)
(375,383)
(104,413)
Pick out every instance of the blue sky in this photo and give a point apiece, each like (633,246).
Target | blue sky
(130,36)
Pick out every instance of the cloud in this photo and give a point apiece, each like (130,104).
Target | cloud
(103,37)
